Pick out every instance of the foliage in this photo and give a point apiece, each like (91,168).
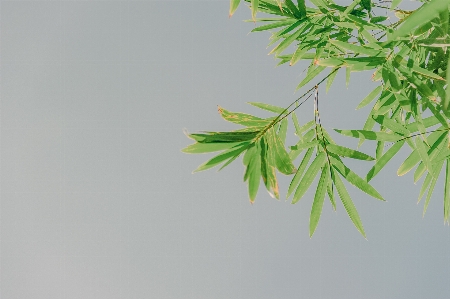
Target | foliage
(408,58)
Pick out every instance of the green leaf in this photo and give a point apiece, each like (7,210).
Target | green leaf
(384,160)
(268,170)
(347,152)
(243,118)
(309,176)
(231,153)
(298,54)
(213,137)
(395,3)
(331,78)
(419,17)
(356,49)
(366,4)
(433,184)
(369,98)
(425,185)
(283,130)
(255,174)
(409,163)
(391,125)
(319,197)
(254,9)
(293,8)
(330,192)
(271,108)
(310,76)
(370,135)
(300,170)
(446,100)
(447,193)
(440,42)
(302,7)
(233,6)
(198,148)
(285,43)
(348,204)
(285,22)
(282,160)
(423,153)
(355,179)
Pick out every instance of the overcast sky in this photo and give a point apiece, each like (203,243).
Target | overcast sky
(98,201)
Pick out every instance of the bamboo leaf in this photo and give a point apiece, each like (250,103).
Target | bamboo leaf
(198,148)
(370,135)
(369,98)
(309,176)
(419,17)
(285,22)
(447,193)
(255,174)
(433,184)
(331,78)
(282,160)
(302,7)
(355,179)
(243,118)
(233,6)
(348,204)
(409,163)
(391,125)
(254,9)
(347,152)
(423,152)
(319,197)
(310,76)
(271,108)
(300,170)
(384,160)
(233,152)
(446,100)
(356,49)
(268,170)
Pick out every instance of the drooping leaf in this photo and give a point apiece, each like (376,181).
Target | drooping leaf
(370,135)
(354,179)
(243,118)
(301,168)
(409,163)
(348,204)
(310,76)
(347,152)
(268,170)
(319,197)
(233,152)
(423,153)
(309,176)
(255,174)
(273,25)
(282,160)
(384,160)
(302,7)
(331,78)
(391,125)
(215,137)
(233,6)
(198,148)
(369,98)
(254,9)
(435,175)
(268,107)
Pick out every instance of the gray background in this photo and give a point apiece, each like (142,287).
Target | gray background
(97,201)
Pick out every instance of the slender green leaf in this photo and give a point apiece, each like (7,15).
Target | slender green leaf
(255,174)
(355,179)
(447,193)
(198,148)
(298,175)
(370,135)
(347,152)
(446,100)
(243,118)
(302,7)
(254,7)
(233,6)
(348,204)
(309,176)
(421,16)
(233,152)
(282,160)
(423,152)
(268,170)
(271,108)
(391,125)
(331,78)
(277,24)
(319,197)
(384,160)
(310,76)
(433,184)
(425,185)
(409,163)
(369,98)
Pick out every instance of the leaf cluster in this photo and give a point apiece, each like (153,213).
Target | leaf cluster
(410,106)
